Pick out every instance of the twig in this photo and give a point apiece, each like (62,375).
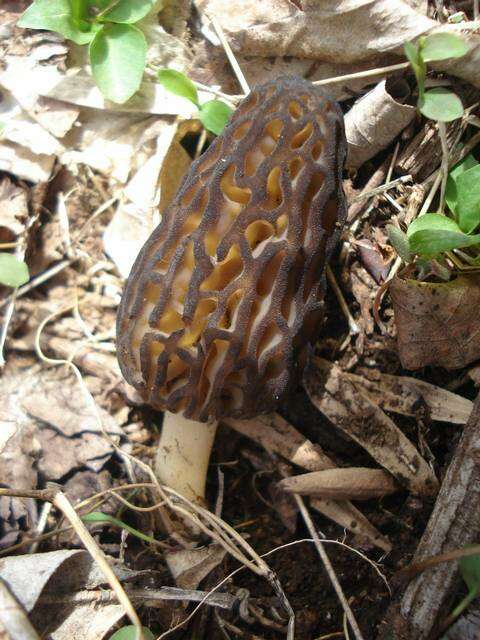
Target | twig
(362,74)
(233,99)
(230,55)
(328,566)
(5,324)
(61,502)
(353,326)
(381,189)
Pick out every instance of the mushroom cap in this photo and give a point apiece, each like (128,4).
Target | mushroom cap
(226,294)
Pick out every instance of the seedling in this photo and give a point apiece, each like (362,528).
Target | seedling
(213,114)
(117,48)
(13,272)
(439,103)
(433,234)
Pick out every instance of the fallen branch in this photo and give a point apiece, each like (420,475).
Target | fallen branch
(454,523)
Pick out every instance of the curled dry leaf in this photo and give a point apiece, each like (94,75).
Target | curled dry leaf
(437,323)
(64,593)
(14,622)
(354,483)
(358,417)
(377,119)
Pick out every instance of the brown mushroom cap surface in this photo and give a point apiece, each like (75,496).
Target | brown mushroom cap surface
(226,294)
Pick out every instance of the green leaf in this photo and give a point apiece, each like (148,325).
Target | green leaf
(411,52)
(441,104)
(432,221)
(13,272)
(179,84)
(399,242)
(118,55)
(433,233)
(55,15)
(470,569)
(468,199)
(451,197)
(214,115)
(97,517)
(441,46)
(128,11)
(414,55)
(130,633)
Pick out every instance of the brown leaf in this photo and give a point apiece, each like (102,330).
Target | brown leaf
(437,323)
(334,31)
(353,483)
(353,412)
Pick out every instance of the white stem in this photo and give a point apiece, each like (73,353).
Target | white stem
(183,454)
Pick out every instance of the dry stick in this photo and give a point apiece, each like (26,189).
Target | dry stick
(230,55)
(61,502)
(328,566)
(380,189)
(233,99)
(353,326)
(453,524)
(417,567)
(362,74)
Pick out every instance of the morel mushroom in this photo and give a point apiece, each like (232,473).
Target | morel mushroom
(225,297)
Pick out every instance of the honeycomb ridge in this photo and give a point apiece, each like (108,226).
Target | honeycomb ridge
(226,294)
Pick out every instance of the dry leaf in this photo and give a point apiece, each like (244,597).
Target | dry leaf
(190,566)
(377,119)
(13,211)
(437,323)
(150,189)
(68,428)
(64,593)
(277,435)
(23,163)
(353,483)
(359,418)
(404,395)
(14,622)
(340,32)
(349,517)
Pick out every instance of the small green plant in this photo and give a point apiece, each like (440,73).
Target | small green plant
(439,103)
(433,234)
(98,517)
(130,633)
(213,114)
(117,48)
(13,272)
